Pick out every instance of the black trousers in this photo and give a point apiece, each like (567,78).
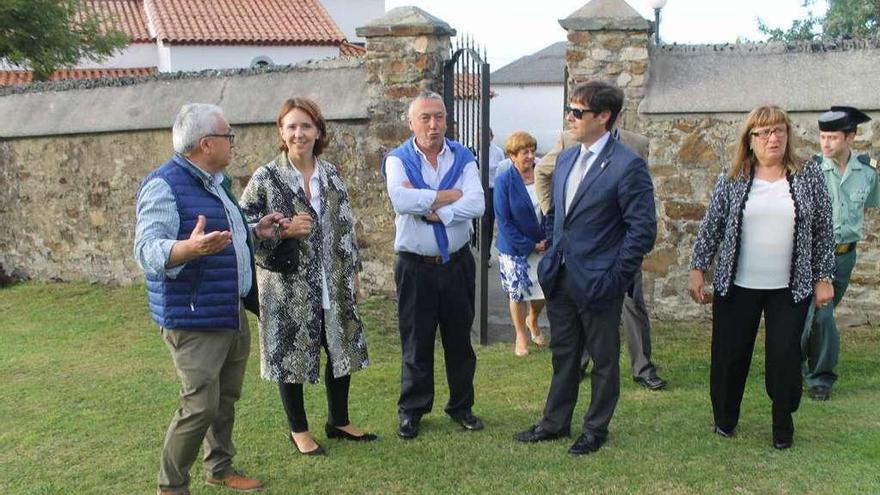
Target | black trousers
(432,295)
(574,329)
(735,320)
(337,396)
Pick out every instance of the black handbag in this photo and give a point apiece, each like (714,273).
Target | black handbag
(285,257)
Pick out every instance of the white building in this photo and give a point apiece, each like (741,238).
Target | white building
(529,94)
(192,35)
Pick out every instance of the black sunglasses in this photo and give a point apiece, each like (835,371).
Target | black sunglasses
(579,112)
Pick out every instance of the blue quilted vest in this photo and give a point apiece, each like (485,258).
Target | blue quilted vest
(205,293)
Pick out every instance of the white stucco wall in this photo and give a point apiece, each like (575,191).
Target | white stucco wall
(351,14)
(534,109)
(199,57)
(134,55)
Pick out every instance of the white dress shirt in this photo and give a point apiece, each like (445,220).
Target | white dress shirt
(413,234)
(579,170)
(318,176)
(496,155)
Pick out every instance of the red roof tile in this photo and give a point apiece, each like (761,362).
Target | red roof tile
(127,16)
(468,86)
(18,77)
(348,49)
(243,22)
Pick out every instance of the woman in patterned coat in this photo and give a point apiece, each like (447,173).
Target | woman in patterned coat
(769,221)
(314,304)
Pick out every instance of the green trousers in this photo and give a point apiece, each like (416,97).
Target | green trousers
(822,335)
(211,366)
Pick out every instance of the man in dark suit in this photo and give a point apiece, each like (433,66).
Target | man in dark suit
(603,225)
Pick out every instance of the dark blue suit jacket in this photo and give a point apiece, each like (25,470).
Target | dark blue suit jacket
(607,232)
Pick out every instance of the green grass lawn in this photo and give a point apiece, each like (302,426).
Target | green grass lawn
(88,388)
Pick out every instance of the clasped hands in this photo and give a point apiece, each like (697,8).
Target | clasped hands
(444,197)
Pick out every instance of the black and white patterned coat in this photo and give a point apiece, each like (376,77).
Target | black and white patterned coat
(290,304)
(721,229)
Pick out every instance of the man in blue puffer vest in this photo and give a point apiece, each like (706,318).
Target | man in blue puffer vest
(194,246)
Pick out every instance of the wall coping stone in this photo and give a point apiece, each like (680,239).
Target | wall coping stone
(800,77)
(246,97)
(405,21)
(605,15)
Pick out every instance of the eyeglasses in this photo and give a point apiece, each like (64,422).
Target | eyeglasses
(229,135)
(764,134)
(579,112)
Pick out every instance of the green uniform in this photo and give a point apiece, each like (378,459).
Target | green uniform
(851,192)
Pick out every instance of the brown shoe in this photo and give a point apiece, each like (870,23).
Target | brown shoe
(238,482)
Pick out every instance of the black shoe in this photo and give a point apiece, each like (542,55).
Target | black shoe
(724,432)
(468,421)
(820,392)
(334,432)
(537,433)
(782,444)
(587,443)
(651,382)
(409,427)
(317,451)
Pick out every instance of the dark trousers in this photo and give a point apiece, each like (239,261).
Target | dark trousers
(337,396)
(735,320)
(432,295)
(637,325)
(574,329)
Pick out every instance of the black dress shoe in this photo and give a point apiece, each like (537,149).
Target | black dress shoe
(724,432)
(650,382)
(409,428)
(317,451)
(468,421)
(334,432)
(781,444)
(820,392)
(587,443)
(537,433)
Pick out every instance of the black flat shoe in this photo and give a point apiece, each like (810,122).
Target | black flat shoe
(334,432)
(650,382)
(318,451)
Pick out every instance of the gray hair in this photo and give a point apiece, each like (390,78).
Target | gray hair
(193,122)
(424,95)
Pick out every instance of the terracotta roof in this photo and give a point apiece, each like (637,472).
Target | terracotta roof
(127,16)
(18,77)
(348,49)
(468,86)
(243,22)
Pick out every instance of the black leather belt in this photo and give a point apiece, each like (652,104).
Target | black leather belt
(433,260)
(844,248)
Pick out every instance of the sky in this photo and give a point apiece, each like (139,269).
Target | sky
(510,29)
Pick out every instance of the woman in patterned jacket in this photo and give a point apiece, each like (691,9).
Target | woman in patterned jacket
(313,304)
(769,220)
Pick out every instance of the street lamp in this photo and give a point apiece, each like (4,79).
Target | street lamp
(656,5)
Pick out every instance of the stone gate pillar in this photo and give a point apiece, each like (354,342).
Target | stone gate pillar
(609,40)
(406,49)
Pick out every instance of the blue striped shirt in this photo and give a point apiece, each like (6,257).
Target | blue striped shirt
(158,223)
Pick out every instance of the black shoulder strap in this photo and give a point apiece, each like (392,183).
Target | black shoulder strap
(867,160)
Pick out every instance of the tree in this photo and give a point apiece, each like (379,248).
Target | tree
(44,35)
(843,19)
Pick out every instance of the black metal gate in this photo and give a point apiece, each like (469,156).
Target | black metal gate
(466,95)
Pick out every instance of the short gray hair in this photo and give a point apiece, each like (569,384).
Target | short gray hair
(424,95)
(193,122)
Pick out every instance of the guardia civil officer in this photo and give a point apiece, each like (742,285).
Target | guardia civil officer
(852,183)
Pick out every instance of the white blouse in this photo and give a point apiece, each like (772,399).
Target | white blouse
(315,201)
(767,238)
